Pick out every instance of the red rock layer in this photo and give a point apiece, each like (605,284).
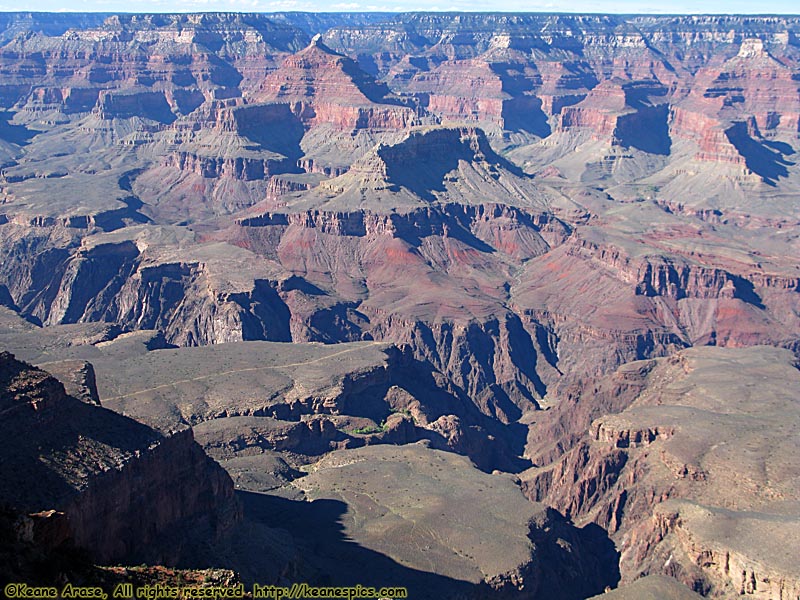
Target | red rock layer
(322,86)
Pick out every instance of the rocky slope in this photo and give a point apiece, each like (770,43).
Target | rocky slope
(102,482)
(295,459)
(323,86)
(431,511)
(251,398)
(512,206)
(693,464)
(652,587)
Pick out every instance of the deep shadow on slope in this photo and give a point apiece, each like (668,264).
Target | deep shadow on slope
(337,560)
(22,560)
(420,166)
(375,91)
(760,159)
(274,127)
(525,114)
(422,162)
(558,546)
(53,429)
(647,130)
(16,134)
(124,491)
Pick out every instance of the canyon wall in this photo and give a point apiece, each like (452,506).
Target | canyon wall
(103,482)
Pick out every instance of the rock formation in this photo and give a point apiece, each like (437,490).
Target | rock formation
(691,466)
(102,482)
(312,234)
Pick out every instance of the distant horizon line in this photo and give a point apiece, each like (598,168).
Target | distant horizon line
(392,12)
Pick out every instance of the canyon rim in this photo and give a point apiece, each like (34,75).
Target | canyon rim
(453,305)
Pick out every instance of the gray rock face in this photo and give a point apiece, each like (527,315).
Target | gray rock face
(694,467)
(314,234)
(127,493)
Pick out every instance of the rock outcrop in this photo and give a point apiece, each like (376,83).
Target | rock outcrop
(103,482)
(322,86)
(418,509)
(525,211)
(685,474)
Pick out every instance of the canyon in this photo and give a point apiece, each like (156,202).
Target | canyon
(500,305)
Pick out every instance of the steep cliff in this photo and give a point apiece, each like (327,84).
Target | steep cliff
(323,86)
(696,464)
(121,491)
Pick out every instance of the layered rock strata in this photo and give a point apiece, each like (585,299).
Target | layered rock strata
(103,482)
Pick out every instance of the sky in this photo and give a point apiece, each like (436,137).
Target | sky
(601,6)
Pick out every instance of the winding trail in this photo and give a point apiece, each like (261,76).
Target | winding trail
(245,370)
